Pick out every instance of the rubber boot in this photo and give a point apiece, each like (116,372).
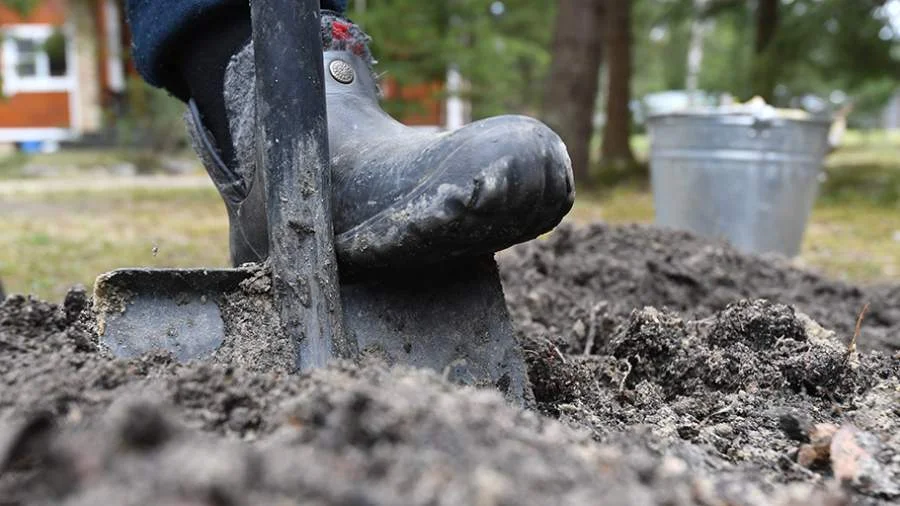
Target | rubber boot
(401,197)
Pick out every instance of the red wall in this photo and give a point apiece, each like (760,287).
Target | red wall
(425,96)
(35,110)
(48,12)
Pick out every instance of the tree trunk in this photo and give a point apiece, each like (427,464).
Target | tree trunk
(765,75)
(571,91)
(616,150)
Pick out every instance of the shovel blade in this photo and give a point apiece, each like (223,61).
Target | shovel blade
(177,310)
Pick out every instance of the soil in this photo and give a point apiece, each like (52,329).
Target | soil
(667,370)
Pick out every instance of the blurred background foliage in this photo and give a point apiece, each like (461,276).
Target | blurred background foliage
(584,66)
(791,52)
(504,48)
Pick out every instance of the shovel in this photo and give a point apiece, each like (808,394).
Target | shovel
(179,309)
(449,317)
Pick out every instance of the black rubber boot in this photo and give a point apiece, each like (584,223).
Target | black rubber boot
(402,198)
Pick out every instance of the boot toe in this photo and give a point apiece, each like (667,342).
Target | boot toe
(492,184)
(521,171)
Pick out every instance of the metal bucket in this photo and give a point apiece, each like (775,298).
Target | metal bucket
(749,179)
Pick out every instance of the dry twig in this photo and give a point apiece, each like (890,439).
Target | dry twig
(625,378)
(556,349)
(862,315)
(592,330)
(721,411)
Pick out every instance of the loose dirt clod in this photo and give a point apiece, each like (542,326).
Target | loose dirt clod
(817,452)
(668,370)
(553,283)
(854,461)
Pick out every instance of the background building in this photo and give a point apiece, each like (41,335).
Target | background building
(61,64)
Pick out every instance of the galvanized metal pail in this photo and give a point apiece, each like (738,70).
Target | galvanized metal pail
(749,179)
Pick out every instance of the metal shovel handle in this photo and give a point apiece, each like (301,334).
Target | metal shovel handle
(292,149)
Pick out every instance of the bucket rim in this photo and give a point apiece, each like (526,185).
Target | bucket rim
(740,117)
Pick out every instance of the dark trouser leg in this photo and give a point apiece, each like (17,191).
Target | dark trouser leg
(165,30)
(184,47)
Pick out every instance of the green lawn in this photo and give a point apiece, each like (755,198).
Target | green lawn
(50,241)
(72,163)
(53,241)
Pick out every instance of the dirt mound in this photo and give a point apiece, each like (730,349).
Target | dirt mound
(744,378)
(582,282)
(82,428)
(724,401)
(748,386)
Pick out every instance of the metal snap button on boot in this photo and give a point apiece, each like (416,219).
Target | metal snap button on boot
(341,71)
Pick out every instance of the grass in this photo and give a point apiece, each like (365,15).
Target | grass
(623,204)
(855,229)
(866,170)
(854,242)
(54,240)
(80,161)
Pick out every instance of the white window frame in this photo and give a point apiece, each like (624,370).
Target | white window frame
(115,67)
(43,82)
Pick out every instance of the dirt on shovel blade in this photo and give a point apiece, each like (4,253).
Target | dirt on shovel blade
(667,370)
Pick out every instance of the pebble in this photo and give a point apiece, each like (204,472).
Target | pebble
(724,430)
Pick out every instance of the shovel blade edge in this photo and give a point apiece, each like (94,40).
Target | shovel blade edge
(176,310)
